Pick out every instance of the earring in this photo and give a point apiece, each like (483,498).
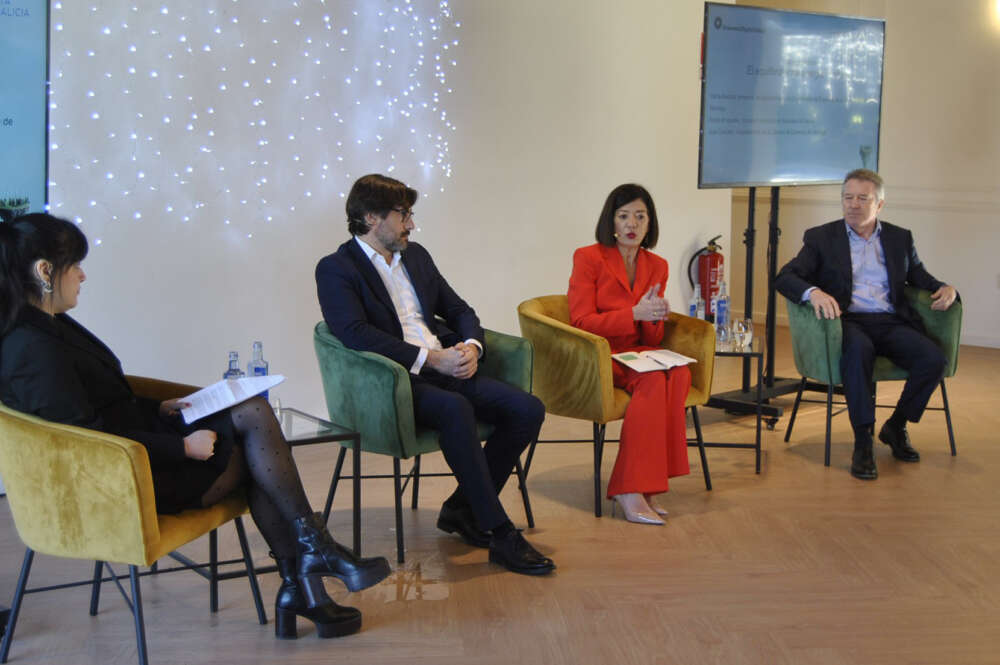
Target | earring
(46,288)
(616,234)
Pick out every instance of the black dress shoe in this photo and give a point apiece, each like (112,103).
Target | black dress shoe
(899,440)
(463,522)
(515,554)
(863,463)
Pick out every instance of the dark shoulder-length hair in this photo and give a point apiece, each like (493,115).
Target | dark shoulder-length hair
(23,241)
(376,194)
(619,196)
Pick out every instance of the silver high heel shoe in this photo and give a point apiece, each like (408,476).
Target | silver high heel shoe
(633,509)
(659,510)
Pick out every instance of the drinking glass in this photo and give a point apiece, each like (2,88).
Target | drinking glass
(742,333)
(723,339)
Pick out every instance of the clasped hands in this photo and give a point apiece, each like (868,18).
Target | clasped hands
(200,444)
(460,361)
(651,307)
(826,307)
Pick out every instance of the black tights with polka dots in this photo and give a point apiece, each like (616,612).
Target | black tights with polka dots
(262,462)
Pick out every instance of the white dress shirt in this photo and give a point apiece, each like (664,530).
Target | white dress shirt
(404,299)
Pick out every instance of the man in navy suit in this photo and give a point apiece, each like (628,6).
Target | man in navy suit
(855,269)
(379,292)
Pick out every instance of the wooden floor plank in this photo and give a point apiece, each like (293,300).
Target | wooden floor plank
(800,565)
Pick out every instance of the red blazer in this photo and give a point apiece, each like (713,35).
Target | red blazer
(601,301)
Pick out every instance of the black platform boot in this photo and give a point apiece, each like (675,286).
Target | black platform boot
(331,619)
(320,554)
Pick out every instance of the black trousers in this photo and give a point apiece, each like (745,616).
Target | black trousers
(452,406)
(870,335)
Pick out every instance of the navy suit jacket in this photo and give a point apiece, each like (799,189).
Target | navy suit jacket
(359,312)
(825,261)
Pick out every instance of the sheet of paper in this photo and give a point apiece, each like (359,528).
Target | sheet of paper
(653,360)
(225,393)
(669,358)
(638,362)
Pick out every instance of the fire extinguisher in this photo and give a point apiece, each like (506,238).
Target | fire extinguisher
(710,272)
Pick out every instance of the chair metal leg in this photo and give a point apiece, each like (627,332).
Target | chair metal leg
(95,592)
(598,454)
(251,573)
(522,484)
(213,571)
(15,607)
(530,456)
(701,447)
(416,481)
(338,467)
(356,496)
(947,419)
(398,494)
(140,626)
(829,418)
(795,410)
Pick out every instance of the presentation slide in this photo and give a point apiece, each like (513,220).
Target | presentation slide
(788,97)
(24,36)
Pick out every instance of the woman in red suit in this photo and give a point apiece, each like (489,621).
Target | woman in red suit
(616,291)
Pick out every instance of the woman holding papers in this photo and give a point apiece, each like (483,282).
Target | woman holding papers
(616,291)
(52,367)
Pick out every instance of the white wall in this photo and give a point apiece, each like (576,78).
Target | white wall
(551,104)
(940,152)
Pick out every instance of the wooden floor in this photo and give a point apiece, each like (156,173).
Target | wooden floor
(801,564)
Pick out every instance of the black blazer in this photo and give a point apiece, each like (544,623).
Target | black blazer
(825,261)
(56,369)
(360,313)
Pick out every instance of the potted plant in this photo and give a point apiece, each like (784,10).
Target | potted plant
(13,206)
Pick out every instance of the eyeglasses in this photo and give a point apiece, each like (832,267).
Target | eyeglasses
(406,213)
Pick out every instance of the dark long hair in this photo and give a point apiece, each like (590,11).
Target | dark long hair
(619,196)
(23,241)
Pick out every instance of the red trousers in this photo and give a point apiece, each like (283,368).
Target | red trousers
(653,444)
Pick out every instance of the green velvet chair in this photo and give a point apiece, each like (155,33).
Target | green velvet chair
(370,394)
(573,371)
(83,494)
(816,345)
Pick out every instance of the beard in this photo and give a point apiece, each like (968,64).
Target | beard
(394,242)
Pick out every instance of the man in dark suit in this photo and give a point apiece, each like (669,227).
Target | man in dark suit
(381,293)
(855,269)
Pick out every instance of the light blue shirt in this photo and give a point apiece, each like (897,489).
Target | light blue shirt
(868,273)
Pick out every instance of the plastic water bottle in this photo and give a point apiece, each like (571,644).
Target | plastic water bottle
(721,306)
(234,371)
(257,365)
(696,307)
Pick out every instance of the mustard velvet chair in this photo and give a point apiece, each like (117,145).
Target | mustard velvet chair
(371,395)
(573,371)
(816,346)
(84,494)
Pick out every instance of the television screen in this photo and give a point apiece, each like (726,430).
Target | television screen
(24,42)
(787,98)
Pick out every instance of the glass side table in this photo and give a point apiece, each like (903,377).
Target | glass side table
(754,351)
(303,429)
